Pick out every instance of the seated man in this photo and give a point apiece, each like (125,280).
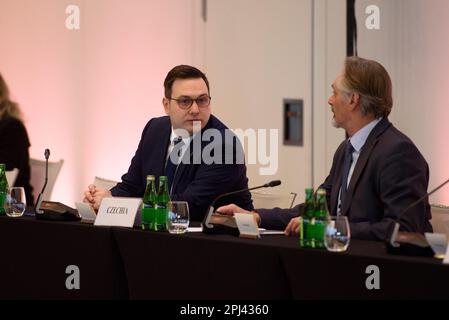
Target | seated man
(198,170)
(376,173)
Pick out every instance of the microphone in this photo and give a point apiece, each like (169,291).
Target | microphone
(209,227)
(270,184)
(39,198)
(48,210)
(410,243)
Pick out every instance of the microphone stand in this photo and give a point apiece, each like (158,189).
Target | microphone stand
(209,227)
(410,243)
(37,207)
(48,210)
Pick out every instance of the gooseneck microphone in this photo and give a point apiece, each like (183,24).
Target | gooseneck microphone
(206,225)
(422,198)
(37,207)
(48,210)
(411,243)
(270,184)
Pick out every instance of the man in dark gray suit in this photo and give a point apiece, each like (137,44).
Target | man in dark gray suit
(376,173)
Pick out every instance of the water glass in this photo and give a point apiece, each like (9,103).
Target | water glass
(15,203)
(337,234)
(177,217)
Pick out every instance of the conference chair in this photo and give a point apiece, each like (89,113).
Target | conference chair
(11,176)
(37,178)
(104,183)
(440,219)
(267,200)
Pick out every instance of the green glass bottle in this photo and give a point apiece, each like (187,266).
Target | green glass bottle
(161,205)
(305,232)
(149,204)
(4,188)
(318,222)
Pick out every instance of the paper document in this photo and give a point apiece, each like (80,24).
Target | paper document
(195,229)
(264,232)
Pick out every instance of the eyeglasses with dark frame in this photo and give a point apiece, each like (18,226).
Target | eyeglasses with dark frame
(185,103)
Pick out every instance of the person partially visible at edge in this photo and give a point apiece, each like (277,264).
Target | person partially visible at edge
(14,141)
(186,101)
(385,171)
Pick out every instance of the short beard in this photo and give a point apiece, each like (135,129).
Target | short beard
(335,124)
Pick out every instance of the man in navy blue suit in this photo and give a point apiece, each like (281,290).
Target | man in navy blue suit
(198,169)
(376,173)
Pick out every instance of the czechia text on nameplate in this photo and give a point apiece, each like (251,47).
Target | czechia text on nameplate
(118,212)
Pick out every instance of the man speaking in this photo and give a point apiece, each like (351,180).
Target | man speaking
(376,173)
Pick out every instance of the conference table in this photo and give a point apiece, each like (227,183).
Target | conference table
(124,263)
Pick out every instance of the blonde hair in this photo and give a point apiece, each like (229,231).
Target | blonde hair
(8,107)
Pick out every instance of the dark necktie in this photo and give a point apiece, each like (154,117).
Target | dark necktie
(346,166)
(173,160)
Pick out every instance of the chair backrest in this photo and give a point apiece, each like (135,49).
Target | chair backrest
(104,183)
(440,219)
(11,176)
(270,200)
(37,178)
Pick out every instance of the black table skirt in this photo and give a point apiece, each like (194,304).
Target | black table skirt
(121,263)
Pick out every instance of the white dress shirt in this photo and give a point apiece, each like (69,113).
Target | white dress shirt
(186,142)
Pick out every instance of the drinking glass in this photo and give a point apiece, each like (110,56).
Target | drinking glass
(15,203)
(337,234)
(177,217)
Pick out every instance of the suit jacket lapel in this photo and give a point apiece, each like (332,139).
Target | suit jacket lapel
(363,159)
(337,181)
(162,143)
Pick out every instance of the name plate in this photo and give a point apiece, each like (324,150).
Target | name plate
(247,225)
(118,212)
(438,243)
(86,212)
(446,257)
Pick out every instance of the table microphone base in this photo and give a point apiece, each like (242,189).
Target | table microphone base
(219,224)
(408,243)
(221,229)
(409,249)
(56,211)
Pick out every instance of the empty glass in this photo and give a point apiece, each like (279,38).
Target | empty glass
(177,217)
(15,203)
(337,234)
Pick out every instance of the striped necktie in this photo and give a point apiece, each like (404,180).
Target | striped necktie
(346,167)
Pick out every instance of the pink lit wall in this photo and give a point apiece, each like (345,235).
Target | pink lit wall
(86,94)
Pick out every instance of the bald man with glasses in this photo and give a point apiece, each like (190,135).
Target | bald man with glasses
(167,147)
